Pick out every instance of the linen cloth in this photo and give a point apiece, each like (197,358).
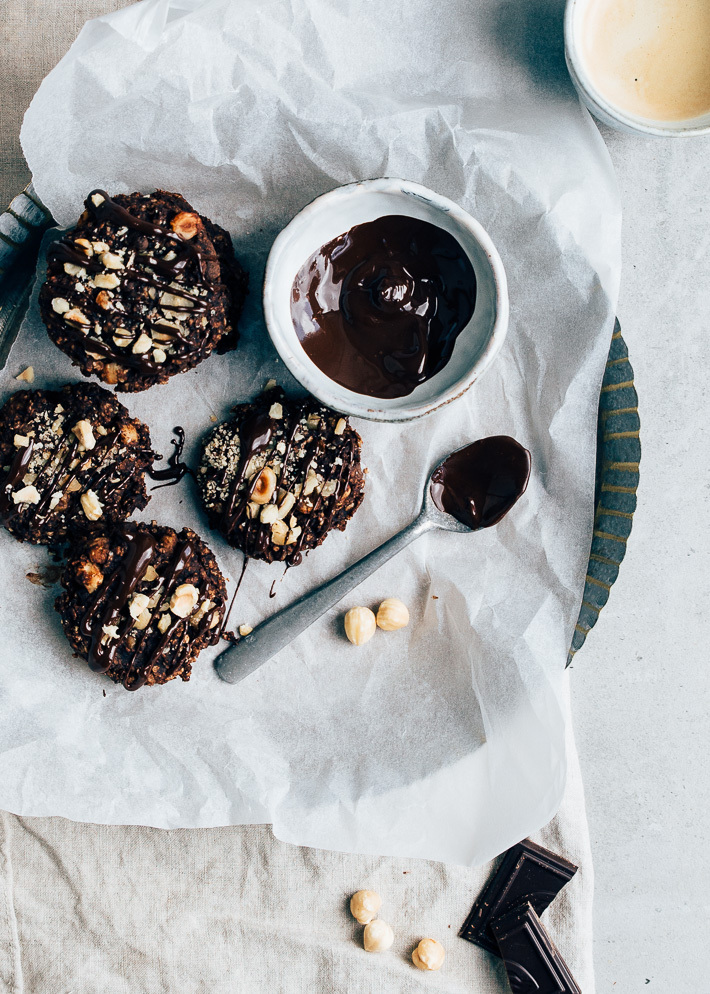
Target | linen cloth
(127,910)
(93,909)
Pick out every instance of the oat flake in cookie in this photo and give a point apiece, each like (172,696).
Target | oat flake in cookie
(72,460)
(279,475)
(140,603)
(142,288)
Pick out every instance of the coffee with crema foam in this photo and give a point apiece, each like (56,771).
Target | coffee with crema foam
(650,58)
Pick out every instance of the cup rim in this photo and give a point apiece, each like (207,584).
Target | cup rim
(598,103)
(362,405)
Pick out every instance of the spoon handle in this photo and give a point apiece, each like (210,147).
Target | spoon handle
(277,632)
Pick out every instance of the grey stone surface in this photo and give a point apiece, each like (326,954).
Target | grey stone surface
(641,687)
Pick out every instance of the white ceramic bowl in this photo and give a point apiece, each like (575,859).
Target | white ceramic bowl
(335,213)
(602,109)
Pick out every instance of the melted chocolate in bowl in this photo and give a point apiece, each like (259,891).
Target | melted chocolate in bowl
(379,308)
(479,484)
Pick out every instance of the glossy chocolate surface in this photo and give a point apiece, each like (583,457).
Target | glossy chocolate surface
(479,484)
(379,308)
(528,873)
(532,961)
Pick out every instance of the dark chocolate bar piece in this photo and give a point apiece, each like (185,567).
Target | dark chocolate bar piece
(531,958)
(528,873)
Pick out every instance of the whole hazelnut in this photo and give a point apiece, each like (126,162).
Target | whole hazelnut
(377,937)
(429,955)
(392,615)
(264,486)
(360,625)
(364,906)
(186,224)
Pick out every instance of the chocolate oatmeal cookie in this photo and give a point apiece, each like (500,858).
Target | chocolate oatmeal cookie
(140,603)
(279,475)
(142,288)
(72,460)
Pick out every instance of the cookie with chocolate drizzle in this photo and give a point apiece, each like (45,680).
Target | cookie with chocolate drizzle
(142,288)
(140,603)
(279,475)
(72,460)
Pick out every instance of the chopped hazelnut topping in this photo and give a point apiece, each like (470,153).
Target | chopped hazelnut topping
(184,600)
(139,602)
(111,261)
(27,495)
(106,281)
(76,316)
(143,620)
(142,344)
(83,431)
(279,532)
(91,505)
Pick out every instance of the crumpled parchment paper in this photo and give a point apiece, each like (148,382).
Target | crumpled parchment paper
(444,740)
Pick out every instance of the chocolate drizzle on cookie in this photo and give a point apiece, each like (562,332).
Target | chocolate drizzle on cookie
(189,263)
(280,476)
(133,645)
(56,483)
(137,290)
(18,470)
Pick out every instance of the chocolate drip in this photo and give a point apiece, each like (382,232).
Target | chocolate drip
(113,598)
(480,483)
(175,469)
(225,622)
(8,508)
(379,308)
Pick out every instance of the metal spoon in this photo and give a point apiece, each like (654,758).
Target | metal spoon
(490,497)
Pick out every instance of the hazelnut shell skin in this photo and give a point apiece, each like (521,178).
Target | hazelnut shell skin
(392,615)
(377,937)
(360,625)
(364,905)
(429,955)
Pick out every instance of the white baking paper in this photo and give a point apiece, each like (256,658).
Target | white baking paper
(444,740)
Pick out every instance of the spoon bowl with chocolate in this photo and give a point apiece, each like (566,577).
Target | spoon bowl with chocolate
(473,488)
(385,300)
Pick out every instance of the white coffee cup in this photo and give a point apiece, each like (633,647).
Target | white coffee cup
(604,109)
